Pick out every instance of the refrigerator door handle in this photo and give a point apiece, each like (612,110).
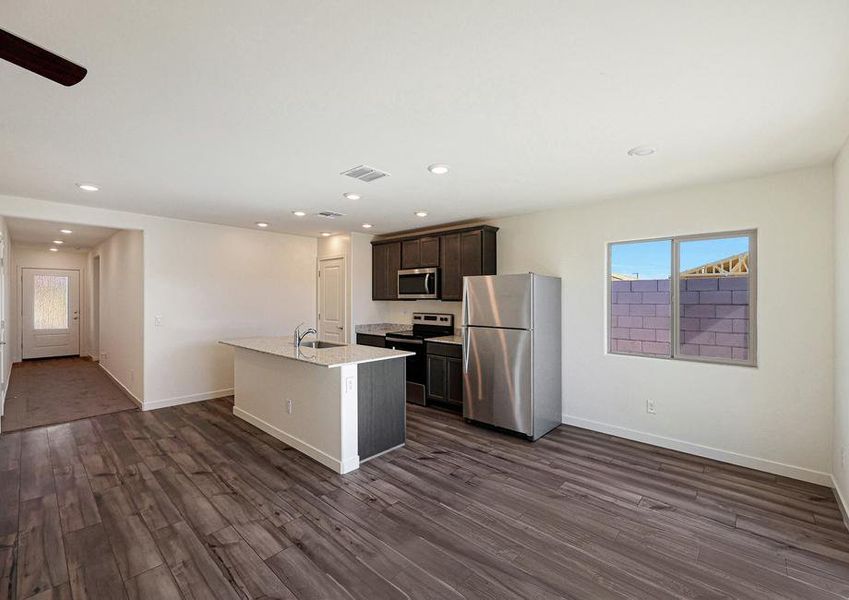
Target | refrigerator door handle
(465,305)
(465,349)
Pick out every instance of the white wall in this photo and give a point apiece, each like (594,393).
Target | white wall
(208,282)
(121,344)
(38,257)
(6,314)
(776,417)
(840,458)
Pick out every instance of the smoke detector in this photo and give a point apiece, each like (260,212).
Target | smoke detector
(365,173)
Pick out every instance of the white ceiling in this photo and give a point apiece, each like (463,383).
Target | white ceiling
(33,232)
(233,112)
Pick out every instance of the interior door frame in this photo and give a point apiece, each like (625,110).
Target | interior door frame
(348,324)
(20,300)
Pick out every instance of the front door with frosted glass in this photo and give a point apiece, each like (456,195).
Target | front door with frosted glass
(50,312)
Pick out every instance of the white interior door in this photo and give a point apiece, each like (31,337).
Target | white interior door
(50,300)
(331,300)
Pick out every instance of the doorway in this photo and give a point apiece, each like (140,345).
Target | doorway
(50,313)
(332,309)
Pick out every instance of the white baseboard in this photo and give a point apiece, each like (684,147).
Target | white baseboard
(123,387)
(841,501)
(743,460)
(155,404)
(340,466)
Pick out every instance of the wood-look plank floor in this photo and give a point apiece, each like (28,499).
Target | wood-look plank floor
(47,391)
(190,502)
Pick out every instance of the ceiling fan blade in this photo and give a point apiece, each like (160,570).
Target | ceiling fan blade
(38,60)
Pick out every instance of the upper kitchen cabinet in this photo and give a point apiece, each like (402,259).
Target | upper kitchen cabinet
(457,253)
(386,261)
(420,252)
(462,253)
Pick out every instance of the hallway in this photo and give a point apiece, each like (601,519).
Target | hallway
(58,390)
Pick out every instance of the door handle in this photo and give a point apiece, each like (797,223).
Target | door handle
(465,350)
(337,327)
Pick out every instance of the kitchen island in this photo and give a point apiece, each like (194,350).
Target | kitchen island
(339,405)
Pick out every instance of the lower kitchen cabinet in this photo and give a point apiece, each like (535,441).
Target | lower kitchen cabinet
(445,375)
(365,339)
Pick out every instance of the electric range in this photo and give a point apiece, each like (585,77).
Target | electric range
(425,325)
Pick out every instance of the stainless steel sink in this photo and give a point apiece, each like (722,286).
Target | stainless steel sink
(319,344)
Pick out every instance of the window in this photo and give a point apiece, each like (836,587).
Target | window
(50,309)
(710,318)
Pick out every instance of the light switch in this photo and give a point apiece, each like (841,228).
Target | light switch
(157,321)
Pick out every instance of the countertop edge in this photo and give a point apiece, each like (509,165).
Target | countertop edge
(330,365)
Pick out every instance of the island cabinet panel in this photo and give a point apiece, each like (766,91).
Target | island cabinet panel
(381,400)
(445,375)
(386,261)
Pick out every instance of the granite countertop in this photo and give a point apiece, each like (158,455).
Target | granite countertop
(448,339)
(284,347)
(380,328)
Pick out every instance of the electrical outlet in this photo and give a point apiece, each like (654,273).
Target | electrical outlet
(104,356)
(289,405)
(650,408)
(349,384)
(157,321)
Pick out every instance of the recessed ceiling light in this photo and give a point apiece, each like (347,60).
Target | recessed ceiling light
(261,224)
(299,213)
(367,225)
(65,231)
(438,169)
(54,249)
(326,234)
(60,242)
(421,213)
(642,151)
(352,196)
(88,187)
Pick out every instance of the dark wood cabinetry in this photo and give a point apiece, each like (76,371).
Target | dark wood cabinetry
(445,375)
(386,260)
(420,252)
(366,339)
(465,253)
(457,253)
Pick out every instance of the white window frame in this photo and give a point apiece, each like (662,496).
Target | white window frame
(674,298)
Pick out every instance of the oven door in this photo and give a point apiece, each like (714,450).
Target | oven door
(415,366)
(415,284)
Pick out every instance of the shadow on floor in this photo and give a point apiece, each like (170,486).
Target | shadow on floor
(58,390)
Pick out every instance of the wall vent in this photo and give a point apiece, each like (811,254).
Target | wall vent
(365,173)
(329,214)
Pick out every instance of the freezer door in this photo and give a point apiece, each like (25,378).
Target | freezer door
(497,377)
(498,301)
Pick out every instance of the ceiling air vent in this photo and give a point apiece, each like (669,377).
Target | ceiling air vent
(329,214)
(365,173)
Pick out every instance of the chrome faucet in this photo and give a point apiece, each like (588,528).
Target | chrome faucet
(299,337)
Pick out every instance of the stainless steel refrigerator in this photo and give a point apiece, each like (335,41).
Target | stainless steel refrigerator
(512,352)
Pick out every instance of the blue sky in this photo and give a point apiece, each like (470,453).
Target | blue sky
(651,260)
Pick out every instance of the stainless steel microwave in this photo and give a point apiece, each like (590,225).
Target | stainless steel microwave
(418,284)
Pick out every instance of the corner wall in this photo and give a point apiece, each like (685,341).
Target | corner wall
(840,459)
(776,417)
(6,315)
(206,282)
(121,346)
